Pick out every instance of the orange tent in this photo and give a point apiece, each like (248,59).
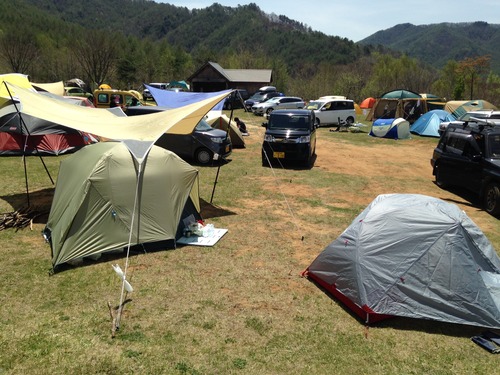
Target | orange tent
(367,103)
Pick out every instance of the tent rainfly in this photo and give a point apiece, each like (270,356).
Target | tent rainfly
(91,212)
(391,128)
(428,123)
(413,256)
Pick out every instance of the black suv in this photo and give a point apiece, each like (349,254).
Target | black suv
(468,156)
(290,135)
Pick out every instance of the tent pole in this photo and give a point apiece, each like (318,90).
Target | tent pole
(218,168)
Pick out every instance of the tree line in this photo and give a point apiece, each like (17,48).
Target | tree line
(49,49)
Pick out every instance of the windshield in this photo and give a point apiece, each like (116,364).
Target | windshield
(289,122)
(276,99)
(257,96)
(314,105)
(468,115)
(203,126)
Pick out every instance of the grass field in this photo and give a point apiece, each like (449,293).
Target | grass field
(239,307)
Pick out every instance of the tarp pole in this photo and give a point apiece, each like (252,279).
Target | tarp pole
(25,127)
(218,168)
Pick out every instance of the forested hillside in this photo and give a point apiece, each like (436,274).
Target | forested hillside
(438,43)
(128,42)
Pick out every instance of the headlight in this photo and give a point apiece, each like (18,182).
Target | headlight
(268,138)
(304,139)
(217,140)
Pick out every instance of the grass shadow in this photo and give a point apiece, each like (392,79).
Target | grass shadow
(410,324)
(209,210)
(39,203)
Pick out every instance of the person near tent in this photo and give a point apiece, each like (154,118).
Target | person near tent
(241,126)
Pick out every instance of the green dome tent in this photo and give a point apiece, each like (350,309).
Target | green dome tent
(91,212)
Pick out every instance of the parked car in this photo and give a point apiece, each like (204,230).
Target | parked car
(333,111)
(260,97)
(468,156)
(146,95)
(236,99)
(204,145)
(278,102)
(77,91)
(116,98)
(290,135)
(479,114)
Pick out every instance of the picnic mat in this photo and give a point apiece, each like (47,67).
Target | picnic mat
(203,241)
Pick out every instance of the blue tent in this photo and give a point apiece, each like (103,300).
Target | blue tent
(392,128)
(428,123)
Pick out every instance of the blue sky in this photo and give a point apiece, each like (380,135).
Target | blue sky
(357,20)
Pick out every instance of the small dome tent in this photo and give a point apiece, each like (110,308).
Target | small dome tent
(414,256)
(91,212)
(471,105)
(367,103)
(391,128)
(428,123)
(221,122)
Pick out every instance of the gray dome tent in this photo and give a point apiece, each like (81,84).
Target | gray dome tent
(413,256)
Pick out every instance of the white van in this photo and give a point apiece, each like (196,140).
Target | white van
(333,110)
(157,85)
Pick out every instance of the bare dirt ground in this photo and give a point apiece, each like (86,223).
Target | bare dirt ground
(406,162)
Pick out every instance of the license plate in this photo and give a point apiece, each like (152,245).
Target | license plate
(278,155)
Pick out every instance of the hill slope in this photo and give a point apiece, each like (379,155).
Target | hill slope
(438,43)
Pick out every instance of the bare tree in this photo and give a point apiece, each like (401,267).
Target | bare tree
(19,50)
(97,54)
(472,68)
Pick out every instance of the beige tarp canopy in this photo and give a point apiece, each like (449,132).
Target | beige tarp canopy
(56,88)
(17,79)
(103,123)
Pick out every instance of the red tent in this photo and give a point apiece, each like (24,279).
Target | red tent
(367,103)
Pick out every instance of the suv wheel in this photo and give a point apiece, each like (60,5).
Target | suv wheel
(204,156)
(439,178)
(317,122)
(269,111)
(492,199)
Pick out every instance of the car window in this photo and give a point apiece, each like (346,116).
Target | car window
(203,126)
(102,98)
(289,122)
(314,105)
(257,97)
(494,146)
(455,144)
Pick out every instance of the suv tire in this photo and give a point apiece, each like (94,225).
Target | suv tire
(439,179)
(492,199)
(204,156)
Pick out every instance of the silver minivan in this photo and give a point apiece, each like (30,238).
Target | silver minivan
(333,111)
